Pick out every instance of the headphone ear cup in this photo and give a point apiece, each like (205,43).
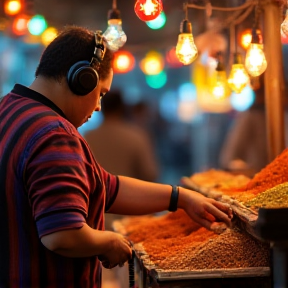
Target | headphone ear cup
(82,78)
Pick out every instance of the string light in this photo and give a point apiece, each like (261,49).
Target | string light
(186,50)
(220,89)
(255,61)
(37,25)
(148,10)
(20,25)
(12,7)
(152,64)
(238,77)
(49,35)
(114,34)
(123,62)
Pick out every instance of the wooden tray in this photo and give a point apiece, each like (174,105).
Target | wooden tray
(171,275)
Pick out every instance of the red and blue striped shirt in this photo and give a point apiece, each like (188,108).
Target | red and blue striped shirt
(49,181)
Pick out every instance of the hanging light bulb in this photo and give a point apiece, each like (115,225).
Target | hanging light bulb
(220,89)
(186,50)
(148,10)
(284,25)
(255,61)
(114,34)
(238,78)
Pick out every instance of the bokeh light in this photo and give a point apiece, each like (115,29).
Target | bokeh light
(152,64)
(13,7)
(49,35)
(157,23)
(243,100)
(20,25)
(156,81)
(37,25)
(168,105)
(123,62)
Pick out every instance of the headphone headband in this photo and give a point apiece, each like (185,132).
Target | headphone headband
(99,50)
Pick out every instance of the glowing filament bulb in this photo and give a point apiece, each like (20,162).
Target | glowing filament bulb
(148,10)
(284,25)
(220,89)
(114,34)
(255,61)
(186,50)
(238,77)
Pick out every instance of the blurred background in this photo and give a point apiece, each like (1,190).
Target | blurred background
(187,123)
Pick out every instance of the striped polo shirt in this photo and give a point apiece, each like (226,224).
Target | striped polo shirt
(49,181)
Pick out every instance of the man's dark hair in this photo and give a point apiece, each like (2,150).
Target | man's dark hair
(73,44)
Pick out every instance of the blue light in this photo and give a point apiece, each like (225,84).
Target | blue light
(187,92)
(168,106)
(93,123)
(243,100)
(37,24)
(156,81)
(157,23)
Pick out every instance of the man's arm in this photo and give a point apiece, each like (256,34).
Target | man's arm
(112,248)
(136,197)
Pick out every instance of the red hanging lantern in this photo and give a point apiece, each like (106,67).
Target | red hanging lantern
(148,10)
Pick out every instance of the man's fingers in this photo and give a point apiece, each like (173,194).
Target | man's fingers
(224,207)
(219,214)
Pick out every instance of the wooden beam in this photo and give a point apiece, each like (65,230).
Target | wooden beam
(274,80)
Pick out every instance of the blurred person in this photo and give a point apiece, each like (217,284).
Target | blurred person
(53,193)
(245,148)
(122,148)
(119,146)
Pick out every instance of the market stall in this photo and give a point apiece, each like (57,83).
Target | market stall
(171,250)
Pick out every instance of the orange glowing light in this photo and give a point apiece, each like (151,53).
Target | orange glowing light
(20,25)
(12,7)
(148,10)
(246,37)
(123,62)
(172,59)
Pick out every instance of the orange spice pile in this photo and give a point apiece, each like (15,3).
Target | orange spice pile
(175,242)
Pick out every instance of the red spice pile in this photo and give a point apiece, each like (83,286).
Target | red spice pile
(273,174)
(172,225)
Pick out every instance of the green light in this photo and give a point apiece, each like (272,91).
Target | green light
(156,81)
(157,23)
(37,25)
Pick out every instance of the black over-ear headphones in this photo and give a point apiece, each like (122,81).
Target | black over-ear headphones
(82,77)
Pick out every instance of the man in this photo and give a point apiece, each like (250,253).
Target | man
(53,194)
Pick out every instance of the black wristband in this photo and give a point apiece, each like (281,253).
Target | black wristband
(174,198)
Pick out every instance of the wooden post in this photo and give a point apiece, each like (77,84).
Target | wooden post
(274,80)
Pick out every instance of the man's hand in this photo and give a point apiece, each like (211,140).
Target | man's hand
(203,210)
(118,253)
